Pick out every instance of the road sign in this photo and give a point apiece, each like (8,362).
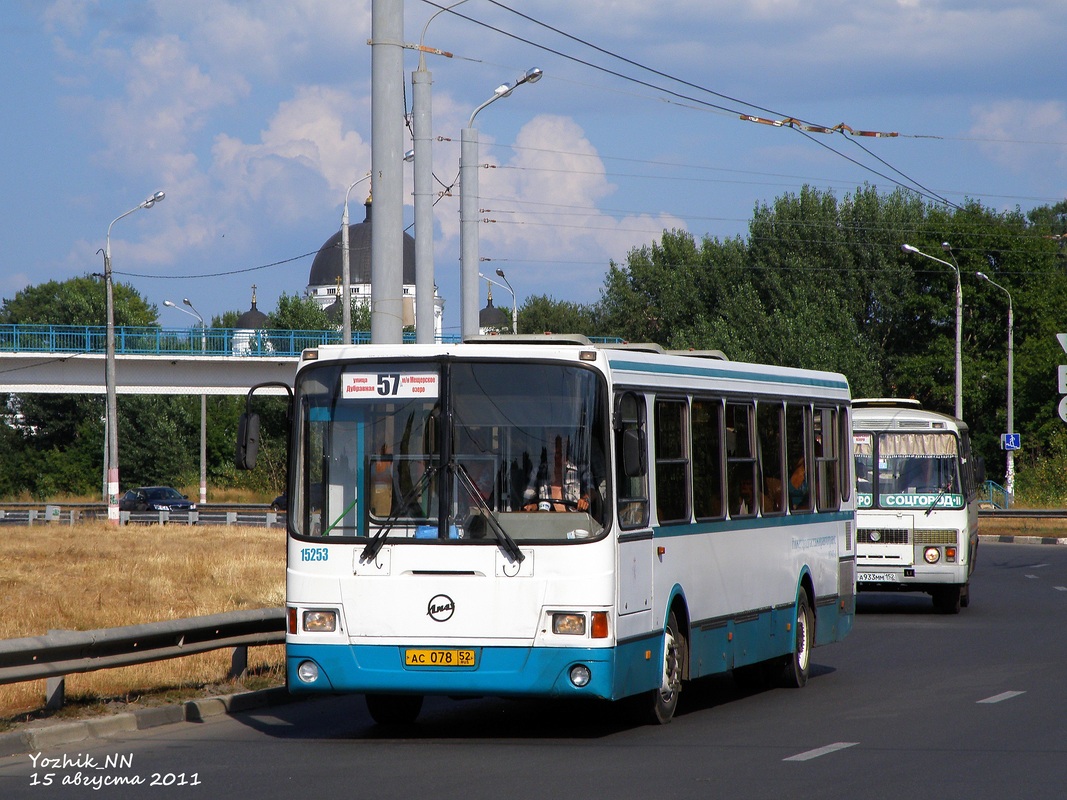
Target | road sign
(1010,441)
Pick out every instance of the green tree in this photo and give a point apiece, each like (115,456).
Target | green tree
(540,314)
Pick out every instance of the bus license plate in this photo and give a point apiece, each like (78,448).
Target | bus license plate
(439,658)
(876,577)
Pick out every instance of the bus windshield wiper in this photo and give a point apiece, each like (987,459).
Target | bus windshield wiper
(507,544)
(945,488)
(375,544)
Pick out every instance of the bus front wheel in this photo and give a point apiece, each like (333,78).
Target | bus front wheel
(665,698)
(798,663)
(394,709)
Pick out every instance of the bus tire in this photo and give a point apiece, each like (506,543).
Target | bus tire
(798,663)
(965,596)
(664,699)
(394,709)
(948,599)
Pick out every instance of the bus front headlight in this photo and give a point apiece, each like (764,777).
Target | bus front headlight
(932,555)
(320,621)
(570,624)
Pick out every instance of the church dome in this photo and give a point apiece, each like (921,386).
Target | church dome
(326,268)
(253,319)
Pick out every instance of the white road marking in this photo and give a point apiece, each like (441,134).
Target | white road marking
(1060,588)
(821,751)
(997,698)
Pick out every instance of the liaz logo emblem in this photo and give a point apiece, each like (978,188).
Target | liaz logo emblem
(440,608)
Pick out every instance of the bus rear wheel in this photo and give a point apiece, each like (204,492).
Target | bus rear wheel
(665,698)
(394,709)
(798,663)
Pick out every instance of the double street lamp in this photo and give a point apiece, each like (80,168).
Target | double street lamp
(468,208)
(1009,475)
(111,419)
(907,248)
(505,285)
(203,397)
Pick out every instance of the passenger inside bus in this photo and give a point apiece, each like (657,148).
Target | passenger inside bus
(558,484)
(799,497)
(919,475)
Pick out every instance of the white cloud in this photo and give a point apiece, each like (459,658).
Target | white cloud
(544,202)
(1009,129)
(307,134)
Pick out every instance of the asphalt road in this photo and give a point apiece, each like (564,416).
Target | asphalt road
(912,705)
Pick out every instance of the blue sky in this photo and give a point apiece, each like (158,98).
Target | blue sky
(254,117)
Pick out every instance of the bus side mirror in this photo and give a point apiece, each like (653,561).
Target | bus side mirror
(247,441)
(633,453)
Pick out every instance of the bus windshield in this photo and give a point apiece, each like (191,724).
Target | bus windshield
(450,451)
(909,464)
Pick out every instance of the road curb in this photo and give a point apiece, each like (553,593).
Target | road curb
(1023,539)
(34,739)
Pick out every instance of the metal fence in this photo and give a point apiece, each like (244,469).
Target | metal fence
(48,513)
(61,653)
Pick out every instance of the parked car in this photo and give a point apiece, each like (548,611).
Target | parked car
(155,498)
(280,503)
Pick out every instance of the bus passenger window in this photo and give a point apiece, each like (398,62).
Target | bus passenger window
(672,474)
(740,461)
(707,459)
(797,428)
(631,476)
(769,416)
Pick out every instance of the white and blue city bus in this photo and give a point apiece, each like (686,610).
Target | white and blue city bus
(916,501)
(543,516)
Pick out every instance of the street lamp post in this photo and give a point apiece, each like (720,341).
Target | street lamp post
(1009,475)
(507,286)
(111,418)
(346,270)
(907,248)
(421,133)
(468,209)
(514,306)
(203,397)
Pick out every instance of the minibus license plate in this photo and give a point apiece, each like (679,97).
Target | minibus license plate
(439,658)
(876,577)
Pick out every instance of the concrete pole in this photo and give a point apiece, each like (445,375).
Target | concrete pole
(422,114)
(468,232)
(346,278)
(387,167)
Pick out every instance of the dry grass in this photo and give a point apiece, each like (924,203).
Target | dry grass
(992,525)
(55,577)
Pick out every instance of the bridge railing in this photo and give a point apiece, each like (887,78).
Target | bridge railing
(157,340)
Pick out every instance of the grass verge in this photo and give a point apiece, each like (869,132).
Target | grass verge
(85,577)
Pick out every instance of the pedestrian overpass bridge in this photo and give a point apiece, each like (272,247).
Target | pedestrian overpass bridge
(70,359)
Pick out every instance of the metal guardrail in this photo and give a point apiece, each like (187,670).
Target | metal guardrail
(61,653)
(64,514)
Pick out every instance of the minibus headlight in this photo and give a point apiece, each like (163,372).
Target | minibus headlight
(320,621)
(932,555)
(308,671)
(569,624)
